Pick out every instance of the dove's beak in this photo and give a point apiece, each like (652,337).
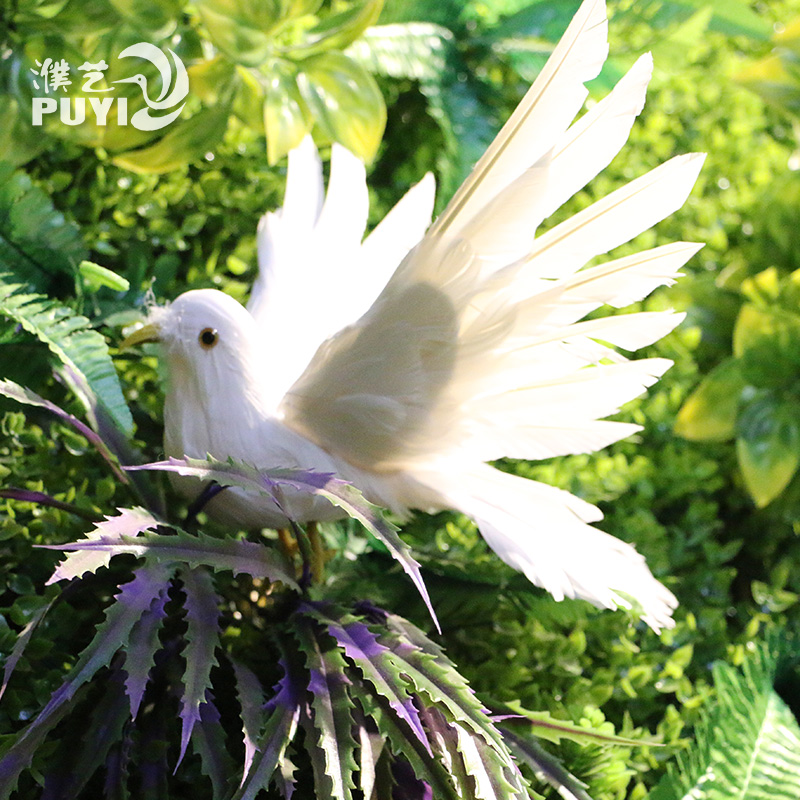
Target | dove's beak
(147,333)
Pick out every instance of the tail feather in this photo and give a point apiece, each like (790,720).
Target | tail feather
(543,532)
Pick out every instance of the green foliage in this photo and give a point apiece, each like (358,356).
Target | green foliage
(752,395)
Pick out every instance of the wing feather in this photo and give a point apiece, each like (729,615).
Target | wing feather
(475,346)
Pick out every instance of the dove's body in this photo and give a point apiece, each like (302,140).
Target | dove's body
(405,380)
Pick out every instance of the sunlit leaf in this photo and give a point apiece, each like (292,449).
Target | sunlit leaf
(337,31)
(242,29)
(345,101)
(747,745)
(196,550)
(130,522)
(96,277)
(286,116)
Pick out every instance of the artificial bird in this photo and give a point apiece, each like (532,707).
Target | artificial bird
(406,362)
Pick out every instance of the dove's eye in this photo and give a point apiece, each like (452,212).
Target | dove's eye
(208,338)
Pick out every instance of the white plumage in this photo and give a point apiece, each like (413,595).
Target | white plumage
(404,362)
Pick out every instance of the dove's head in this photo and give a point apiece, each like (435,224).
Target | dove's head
(212,349)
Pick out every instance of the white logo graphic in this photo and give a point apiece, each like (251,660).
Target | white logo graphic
(72,110)
(142,119)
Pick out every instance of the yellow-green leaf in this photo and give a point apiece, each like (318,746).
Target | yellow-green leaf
(157,18)
(242,29)
(768,445)
(709,413)
(185,141)
(345,100)
(338,31)
(286,117)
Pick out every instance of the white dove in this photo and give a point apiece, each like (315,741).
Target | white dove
(404,363)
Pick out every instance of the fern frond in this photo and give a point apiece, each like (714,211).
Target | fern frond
(81,350)
(36,242)
(747,746)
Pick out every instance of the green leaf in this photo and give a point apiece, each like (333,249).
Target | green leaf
(337,31)
(768,445)
(158,19)
(767,340)
(36,242)
(413,50)
(747,746)
(345,101)
(79,348)
(95,277)
(734,18)
(242,29)
(22,395)
(544,725)
(286,116)
(709,413)
(185,141)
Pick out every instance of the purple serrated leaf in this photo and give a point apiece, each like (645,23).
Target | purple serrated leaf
(129,523)
(546,766)
(202,637)
(208,739)
(132,601)
(141,649)
(283,715)
(251,558)
(251,701)
(376,662)
(338,492)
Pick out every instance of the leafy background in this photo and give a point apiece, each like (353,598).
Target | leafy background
(709,492)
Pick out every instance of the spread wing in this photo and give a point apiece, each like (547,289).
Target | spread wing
(475,347)
(316,275)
